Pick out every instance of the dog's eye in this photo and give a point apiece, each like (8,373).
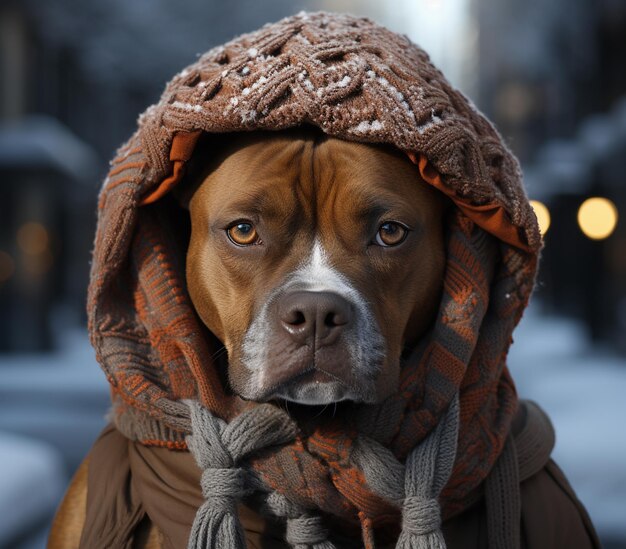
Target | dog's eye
(391,233)
(243,234)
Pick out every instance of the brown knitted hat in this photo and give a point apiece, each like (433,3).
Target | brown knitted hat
(357,81)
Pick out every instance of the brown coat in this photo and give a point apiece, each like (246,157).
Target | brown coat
(125,487)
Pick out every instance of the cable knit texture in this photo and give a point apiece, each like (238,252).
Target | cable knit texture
(357,81)
(218,447)
(428,469)
(303,531)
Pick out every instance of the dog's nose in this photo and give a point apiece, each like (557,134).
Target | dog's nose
(314,317)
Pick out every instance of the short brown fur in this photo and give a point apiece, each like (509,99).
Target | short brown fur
(300,186)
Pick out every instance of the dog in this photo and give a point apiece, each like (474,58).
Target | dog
(332,257)
(315,261)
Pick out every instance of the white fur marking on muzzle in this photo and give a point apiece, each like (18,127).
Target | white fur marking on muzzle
(365,343)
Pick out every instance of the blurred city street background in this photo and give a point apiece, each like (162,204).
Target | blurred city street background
(74,76)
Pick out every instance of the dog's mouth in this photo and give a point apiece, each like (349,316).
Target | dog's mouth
(313,387)
(304,380)
(312,414)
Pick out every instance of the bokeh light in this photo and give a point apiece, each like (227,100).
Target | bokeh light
(32,238)
(39,264)
(543,215)
(7,266)
(597,218)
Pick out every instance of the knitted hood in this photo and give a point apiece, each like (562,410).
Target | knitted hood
(357,81)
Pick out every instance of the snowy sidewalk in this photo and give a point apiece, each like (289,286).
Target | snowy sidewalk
(52,407)
(583,390)
(32,480)
(59,397)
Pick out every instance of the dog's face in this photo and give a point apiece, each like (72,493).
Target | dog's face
(314,260)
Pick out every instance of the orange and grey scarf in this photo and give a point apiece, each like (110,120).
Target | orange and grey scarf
(423,454)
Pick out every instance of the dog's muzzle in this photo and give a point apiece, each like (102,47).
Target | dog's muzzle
(313,347)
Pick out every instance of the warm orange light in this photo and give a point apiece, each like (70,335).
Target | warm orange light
(7,266)
(543,215)
(32,238)
(597,218)
(39,264)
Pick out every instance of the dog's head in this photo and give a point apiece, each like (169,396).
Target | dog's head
(315,261)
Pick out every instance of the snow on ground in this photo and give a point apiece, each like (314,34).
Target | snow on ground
(52,407)
(59,397)
(32,479)
(583,390)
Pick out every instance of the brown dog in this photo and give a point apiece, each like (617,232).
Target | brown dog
(327,253)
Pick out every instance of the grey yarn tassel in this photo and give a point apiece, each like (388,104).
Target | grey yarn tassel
(428,469)
(304,531)
(217,447)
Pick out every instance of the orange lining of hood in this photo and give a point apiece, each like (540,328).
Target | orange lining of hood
(183,145)
(492,217)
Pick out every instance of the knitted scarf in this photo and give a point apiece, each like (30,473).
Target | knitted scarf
(397,467)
